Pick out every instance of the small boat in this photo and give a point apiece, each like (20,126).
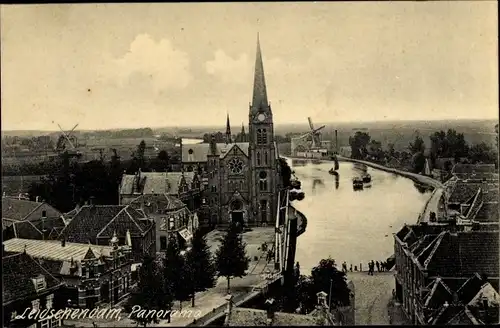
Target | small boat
(367,178)
(357,183)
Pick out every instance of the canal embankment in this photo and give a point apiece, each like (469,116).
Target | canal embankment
(419,178)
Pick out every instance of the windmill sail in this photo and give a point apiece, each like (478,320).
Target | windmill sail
(336,163)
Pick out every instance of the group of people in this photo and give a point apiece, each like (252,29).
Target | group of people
(381,267)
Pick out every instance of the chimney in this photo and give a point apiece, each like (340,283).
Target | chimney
(4,194)
(270,311)
(36,199)
(91,200)
(455,298)
(229,308)
(19,196)
(63,242)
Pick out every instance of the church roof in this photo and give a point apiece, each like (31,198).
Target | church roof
(259,84)
(198,153)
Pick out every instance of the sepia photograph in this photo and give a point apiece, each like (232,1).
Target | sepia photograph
(250,164)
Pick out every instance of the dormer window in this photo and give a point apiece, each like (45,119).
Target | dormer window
(39,283)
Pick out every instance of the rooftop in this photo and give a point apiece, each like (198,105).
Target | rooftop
(157,202)
(53,249)
(156,182)
(17,209)
(101,221)
(18,271)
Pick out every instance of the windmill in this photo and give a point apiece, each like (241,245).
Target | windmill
(67,143)
(315,134)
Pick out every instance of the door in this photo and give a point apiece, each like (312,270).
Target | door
(237,219)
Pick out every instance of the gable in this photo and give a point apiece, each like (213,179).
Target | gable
(17,209)
(122,222)
(235,150)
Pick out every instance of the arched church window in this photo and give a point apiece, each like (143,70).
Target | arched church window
(265,157)
(258,158)
(263,181)
(236,205)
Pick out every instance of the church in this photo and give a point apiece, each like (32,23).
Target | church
(241,178)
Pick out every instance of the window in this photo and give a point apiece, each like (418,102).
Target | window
(163,242)
(44,214)
(214,188)
(265,157)
(263,185)
(258,158)
(39,283)
(35,305)
(261,136)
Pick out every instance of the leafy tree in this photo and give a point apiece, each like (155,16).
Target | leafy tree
(231,258)
(358,144)
(418,162)
(163,156)
(202,269)
(285,172)
(149,293)
(326,275)
(417,146)
(176,273)
(482,153)
(390,150)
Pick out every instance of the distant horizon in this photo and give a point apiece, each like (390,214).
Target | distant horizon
(235,125)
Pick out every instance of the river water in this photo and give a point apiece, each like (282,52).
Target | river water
(348,225)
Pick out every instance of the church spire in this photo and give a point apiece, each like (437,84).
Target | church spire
(228,130)
(243,135)
(259,99)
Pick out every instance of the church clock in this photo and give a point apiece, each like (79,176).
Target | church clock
(261,117)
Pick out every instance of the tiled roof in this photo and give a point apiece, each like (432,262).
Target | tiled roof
(197,153)
(156,182)
(91,220)
(470,288)
(491,195)
(463,192)
(474,168)
(487,212)
(463,254)
(464,317)
(439,294)
(18,272)
(477,176)
(255,317)
(445,313)
(157,203)
(27,230)
(53,249)
(17,209)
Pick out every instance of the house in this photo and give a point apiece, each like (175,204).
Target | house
(172,218)
(475,302)
(31,220)
(96,224)
(92,274)
(460,195)
(186,186)
(236,316)
(424,253)
(26,284)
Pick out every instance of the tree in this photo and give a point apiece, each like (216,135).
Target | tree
(327,278)
(149,293)
(231,258)
(417,146)
(418,162)
(285,172)
(482,153)
(176,273)
(358,144)
(390,150)
(141,150)
(163,156)
(202,268)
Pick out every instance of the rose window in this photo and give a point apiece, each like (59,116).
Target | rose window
(235,166)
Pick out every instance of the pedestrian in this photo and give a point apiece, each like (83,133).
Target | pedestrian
(344,267)
(356,268)
(378,266)
(351,267)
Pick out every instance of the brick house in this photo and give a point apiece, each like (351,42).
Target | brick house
(31,220)
(96,224)
(92,274)
(26,284)
(173,220)
(423,253)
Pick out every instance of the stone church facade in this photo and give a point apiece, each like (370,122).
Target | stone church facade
(241,178)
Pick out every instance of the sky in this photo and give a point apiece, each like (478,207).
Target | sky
(108,66)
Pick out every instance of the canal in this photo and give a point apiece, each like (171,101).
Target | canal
(348,225)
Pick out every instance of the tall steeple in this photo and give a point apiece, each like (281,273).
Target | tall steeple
(259,99)
(243,135)
(228,130)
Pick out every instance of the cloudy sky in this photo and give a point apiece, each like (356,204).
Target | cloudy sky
(137,65)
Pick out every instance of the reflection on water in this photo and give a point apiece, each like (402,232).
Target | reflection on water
(353,226)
